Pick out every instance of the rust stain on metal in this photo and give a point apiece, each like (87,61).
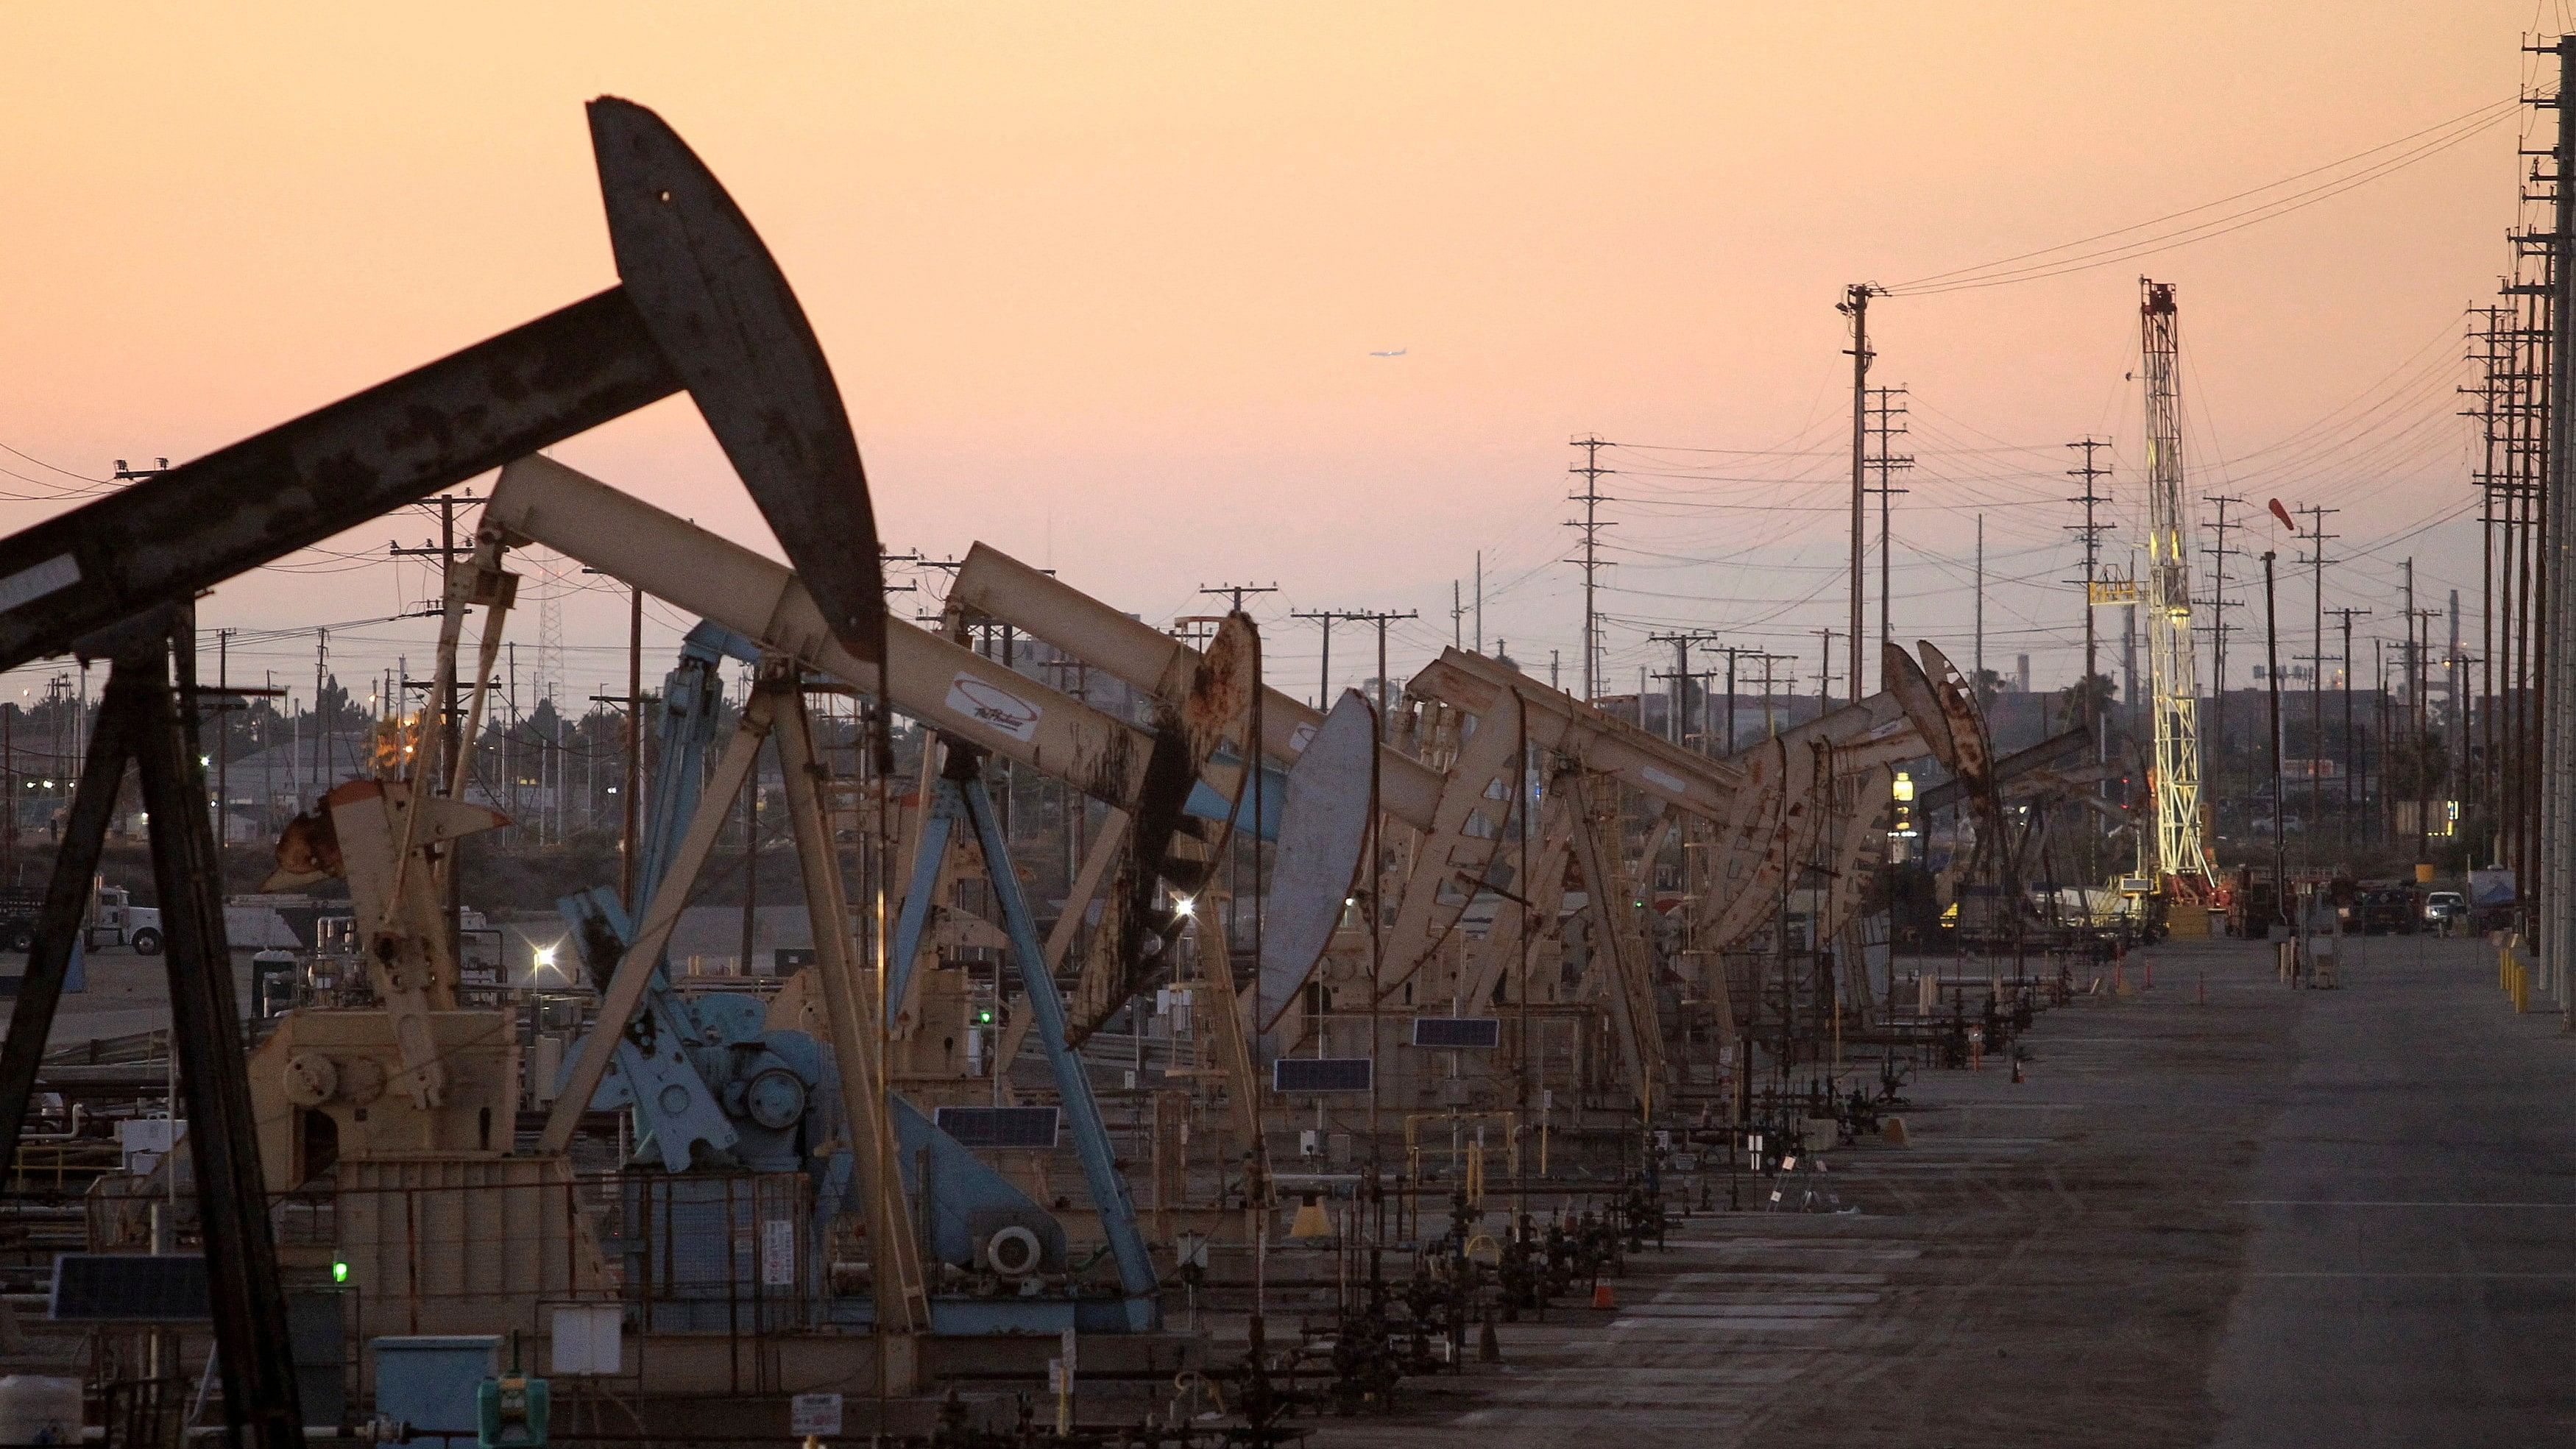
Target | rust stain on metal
(1214,708)
(1975,763)
(1218,705)
(310,845)
(1109,772)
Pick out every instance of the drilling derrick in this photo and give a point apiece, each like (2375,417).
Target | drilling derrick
(2181,849)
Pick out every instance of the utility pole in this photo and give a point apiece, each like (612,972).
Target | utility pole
(1324,677)
(1978,684)
(2351,769)
(451,708)
(1236,592)
(2558,643)
(452,730)
(2422,751)
(1591,498)
(2219,553)
(224,706)
(2272,674)
(1359,616)
(2414,720)
(2487,349)
(1676,726)
(1733,653)
(1825,672)
(631,791)
(1381,618)
(1883,415)
(321,726)
(2317,537)
(2455,677)
(1855,305)
(1770,722)
(2385,817)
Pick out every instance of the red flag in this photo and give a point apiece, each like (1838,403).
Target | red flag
(2283,514)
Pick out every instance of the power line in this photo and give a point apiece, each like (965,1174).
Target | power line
(2036,265)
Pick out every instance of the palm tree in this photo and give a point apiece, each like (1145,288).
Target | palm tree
(1990,687)
(2087,699)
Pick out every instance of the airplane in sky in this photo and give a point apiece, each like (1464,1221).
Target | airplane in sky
(1399,352)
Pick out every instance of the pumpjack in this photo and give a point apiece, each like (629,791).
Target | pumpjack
(700,306)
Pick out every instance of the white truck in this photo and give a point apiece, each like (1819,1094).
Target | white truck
(251,923)
(114,920)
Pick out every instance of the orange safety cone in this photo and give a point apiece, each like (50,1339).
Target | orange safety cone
(1602,1297)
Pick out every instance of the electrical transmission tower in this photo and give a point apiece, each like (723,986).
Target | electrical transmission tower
(2182,849)
(2089,533)
(1590,562)
(550,665)
(2096,593)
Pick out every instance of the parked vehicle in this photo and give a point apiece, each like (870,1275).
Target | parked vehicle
(18,908)
(251,923)
(114,920)
(2443,907)
(2382,907)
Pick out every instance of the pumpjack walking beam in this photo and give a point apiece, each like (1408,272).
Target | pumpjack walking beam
(700,305)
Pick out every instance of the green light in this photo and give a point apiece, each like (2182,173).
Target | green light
(983,1018)
(339,1271)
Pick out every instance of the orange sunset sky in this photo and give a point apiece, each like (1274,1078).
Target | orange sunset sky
(1101,282)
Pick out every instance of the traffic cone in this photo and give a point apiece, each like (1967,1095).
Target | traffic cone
(1602,1297)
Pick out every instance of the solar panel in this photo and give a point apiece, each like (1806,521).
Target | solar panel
(130,1288)
(1318,1075)
(1483,1033)
(992,1127)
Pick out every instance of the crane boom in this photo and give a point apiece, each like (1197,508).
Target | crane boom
(2182,852)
